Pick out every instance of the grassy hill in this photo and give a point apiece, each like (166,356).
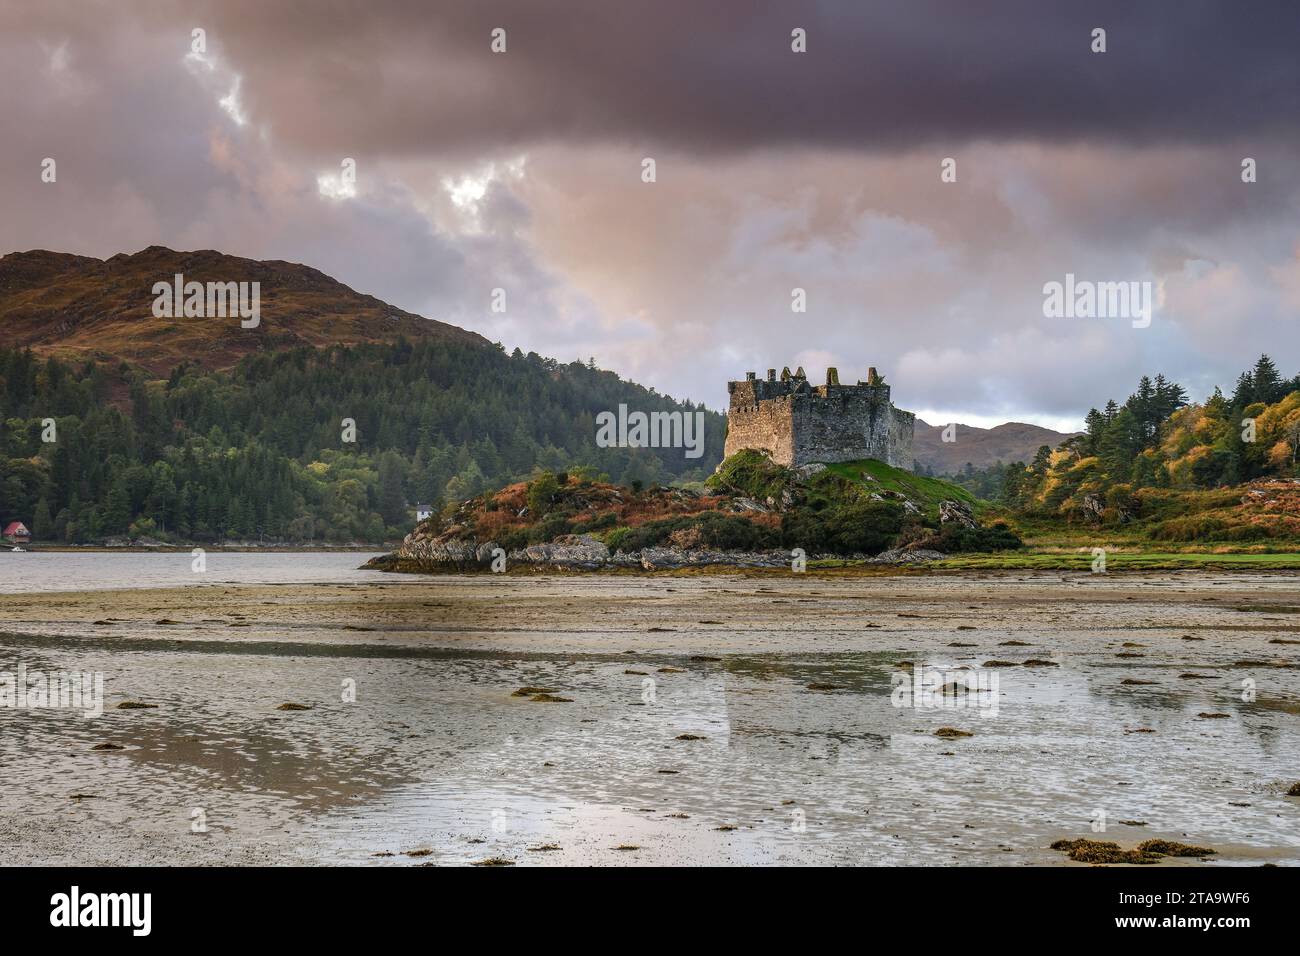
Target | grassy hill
(77,307)
(876,475)
(751,504)
(756,476)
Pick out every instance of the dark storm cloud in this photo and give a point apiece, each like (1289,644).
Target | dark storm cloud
(776,170)
(409,76)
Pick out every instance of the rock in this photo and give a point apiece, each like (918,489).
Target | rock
(958,512)
(656,559)
(807,471)
(908,556)
(580,551)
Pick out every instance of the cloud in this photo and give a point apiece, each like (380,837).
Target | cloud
(521,171)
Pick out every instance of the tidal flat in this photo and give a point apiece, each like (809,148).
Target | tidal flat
(674,719)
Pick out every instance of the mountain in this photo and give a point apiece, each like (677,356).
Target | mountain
(77,306)
(323,423)
(1013,441)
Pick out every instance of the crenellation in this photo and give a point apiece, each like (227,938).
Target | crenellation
(798,424)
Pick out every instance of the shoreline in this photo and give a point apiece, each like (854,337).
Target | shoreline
(694,713)
(35,548)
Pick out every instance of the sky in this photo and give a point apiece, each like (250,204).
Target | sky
(774,170)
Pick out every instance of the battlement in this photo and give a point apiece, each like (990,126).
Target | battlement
(798,423)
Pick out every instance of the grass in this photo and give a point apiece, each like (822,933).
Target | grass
(1120,561)
(917,488)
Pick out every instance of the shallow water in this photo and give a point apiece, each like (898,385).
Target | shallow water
(40,571)
(436,754)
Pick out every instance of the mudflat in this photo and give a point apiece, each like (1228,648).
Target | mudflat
(716,718)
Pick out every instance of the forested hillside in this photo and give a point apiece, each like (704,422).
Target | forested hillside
(1135,458)
(259,451)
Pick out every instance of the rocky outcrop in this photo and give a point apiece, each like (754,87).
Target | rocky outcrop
(958,512)
(908,556)
(663,559)
(570,552)
(579,551)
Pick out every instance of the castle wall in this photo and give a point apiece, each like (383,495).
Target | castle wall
(767,425)
(798,424)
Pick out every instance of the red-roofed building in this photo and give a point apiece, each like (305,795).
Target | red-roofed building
(17,532)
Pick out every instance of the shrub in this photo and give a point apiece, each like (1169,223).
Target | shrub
(513,540)
(752,474)
(601,521)
(952,538)
(548,529)
(863,527)
(710,529)
(1190,528)
(854,528)
(542,492)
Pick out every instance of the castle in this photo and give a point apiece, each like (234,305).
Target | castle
(797,423)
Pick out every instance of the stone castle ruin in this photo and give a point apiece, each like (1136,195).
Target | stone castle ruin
(797,423)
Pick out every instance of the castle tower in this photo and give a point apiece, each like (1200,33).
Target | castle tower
(798,424)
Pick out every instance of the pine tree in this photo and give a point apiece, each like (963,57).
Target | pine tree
(42,524)
(1243,393)
(1268,383)
(1094,424)
(392,499)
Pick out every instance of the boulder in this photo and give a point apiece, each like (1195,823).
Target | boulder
(661,559)
(908,556)
(568,551)
(957,512)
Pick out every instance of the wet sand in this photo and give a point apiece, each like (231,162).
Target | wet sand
(438,758)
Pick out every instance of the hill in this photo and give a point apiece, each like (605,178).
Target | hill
(76,306)
(321,424)
(980,447)
(309,444)
(753,512)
